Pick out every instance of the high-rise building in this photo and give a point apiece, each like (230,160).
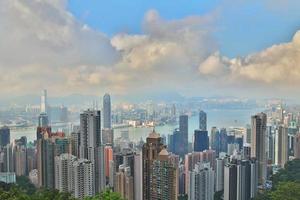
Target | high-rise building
(184,131)
(201,185)
(230,182)
(20,158)
(90,145)
(201,140)
(124,182)
(297,146)
(107,136)
(64,172)
(83,178)
(90,132)
(62,145)
(108,156)
(258,144)
(45,163)
(43,126)
(75,143)
(202,121)
(223,140)
(240,180)
(44,102)
(281,146)
(191,159)
(215,139)
(138,176)
(6,161)
(164,176)
(4,136)
(106,111)
(220,163)
(248,134)
(151,149)
(176,144)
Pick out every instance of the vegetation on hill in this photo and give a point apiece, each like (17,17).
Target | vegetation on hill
(25,190)
(286,183)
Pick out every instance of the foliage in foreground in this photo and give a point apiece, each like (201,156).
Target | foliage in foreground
(286,183)
(24,190)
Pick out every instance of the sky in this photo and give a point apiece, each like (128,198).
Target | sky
(194,48)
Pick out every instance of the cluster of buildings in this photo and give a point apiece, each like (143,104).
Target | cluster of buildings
(235,163)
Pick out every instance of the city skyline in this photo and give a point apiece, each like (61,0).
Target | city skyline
(181,51)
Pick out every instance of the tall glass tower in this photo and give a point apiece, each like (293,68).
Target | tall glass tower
(106,111)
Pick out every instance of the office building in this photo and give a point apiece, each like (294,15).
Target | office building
(106,111)
(240,179)
(20,158)
(107,136)
(90,145)
(184,130)
(230,182)
(45,163)
(44,102)
(108,157)
(219,183)
(75,143)
(215,139)
(138,176)
(202,121)
(297,146)
(281,146)
(258,144)
(4,136)
(201,141)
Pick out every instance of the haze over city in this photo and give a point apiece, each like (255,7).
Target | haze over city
(149,100)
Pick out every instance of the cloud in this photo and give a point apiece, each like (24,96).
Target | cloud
(276,66)
(43,45)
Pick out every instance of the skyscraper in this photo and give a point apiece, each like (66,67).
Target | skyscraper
(64,172)
(297,146)
(281,146)
(164,176)
(215,139)
(230,182)
(4,136)
(83,178)
(219,174)
(90,145)
(43,126)
(201,140)
(240,179)
(45,163)
(184,130)
(202,121)
(151,149)
(106,111)
(124,182)
(44,102)
(201,185)
(258,144)
(138,177)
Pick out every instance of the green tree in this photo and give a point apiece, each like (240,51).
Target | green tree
(25,184)
(291,172)
(106,195)
(286,191)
